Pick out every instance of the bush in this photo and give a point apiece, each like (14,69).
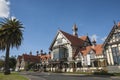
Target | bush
(102,72)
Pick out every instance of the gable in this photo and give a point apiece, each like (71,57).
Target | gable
(114,35)
(59,40)
(85,50)
(92,51)
(86,40)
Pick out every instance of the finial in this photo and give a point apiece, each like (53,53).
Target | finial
(114,22)
(58,28)
(75,29)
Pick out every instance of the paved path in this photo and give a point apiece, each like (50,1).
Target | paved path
(62,76)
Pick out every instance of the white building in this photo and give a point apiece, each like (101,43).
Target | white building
(71,53)
(112,49)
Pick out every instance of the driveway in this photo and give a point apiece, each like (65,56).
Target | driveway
(64,76)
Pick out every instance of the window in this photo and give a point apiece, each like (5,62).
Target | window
(92,56)
(59,41)
(56,54)
(60,53)
(116,56)
(117,36)
(63,53)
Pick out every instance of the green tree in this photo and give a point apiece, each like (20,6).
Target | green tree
(11,35)
(12,62)
(1,63)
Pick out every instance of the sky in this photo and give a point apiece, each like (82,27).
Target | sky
(43,18)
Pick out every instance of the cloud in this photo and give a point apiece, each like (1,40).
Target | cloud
(13,17)
(94,37)
(98,38)
(103,39)
(4,8)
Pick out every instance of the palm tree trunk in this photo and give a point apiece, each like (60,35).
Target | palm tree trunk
(7,70)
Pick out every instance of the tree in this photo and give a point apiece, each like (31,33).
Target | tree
(10,36)
(12,62)
(1,63)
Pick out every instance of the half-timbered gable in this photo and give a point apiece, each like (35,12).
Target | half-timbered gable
(112,46)
(86,40)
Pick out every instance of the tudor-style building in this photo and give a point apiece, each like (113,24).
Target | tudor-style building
(35,62)
(72,53)
(25,60)
(112,49)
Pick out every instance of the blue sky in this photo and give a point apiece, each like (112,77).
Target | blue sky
(42,19)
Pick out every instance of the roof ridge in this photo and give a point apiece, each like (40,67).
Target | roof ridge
(76,41)
(67,33)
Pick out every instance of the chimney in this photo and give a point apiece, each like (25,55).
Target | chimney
(94,43)
(41,52)
(37,53)
(30,53)
(49,52)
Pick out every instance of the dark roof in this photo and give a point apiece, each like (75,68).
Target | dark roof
(28,57)
(31,58)
(75,41)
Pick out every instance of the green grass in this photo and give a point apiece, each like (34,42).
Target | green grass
(12,76)
(116,74)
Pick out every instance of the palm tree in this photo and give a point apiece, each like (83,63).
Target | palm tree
(10,36)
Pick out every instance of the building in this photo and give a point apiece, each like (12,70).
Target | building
(26,61)
(112,49)
(44,61)
(35,62)
(69,52)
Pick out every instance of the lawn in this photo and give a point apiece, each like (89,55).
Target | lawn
(12,76)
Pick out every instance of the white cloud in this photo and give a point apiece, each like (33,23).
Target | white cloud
(4,8)
(13,17)
(103,39)
(94,37)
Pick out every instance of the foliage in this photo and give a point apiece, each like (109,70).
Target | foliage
(1,63)
(116,74)
(10,36)
(29,66)
(12,62)
(102,72)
